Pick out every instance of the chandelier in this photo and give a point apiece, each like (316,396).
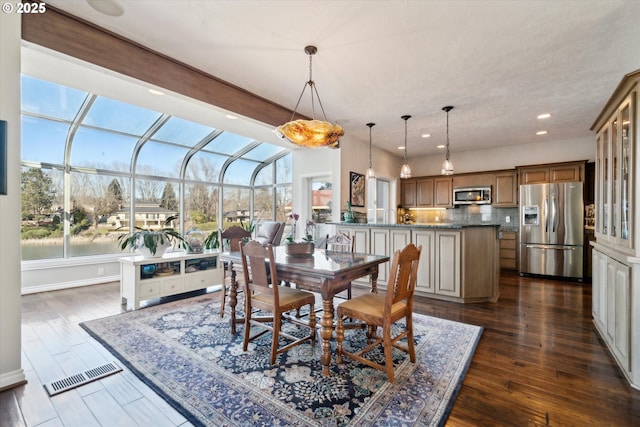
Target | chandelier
(405,171)
(370,173)
(447,167)
(310,133)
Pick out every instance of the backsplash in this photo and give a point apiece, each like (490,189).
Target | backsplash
(472,214)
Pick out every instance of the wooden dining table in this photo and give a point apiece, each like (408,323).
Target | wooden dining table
(327,273)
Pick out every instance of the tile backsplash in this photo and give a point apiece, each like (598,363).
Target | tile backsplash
(472,214)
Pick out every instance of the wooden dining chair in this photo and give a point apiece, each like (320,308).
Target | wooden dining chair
(384,310)
(234,235)
(341,243)
(262,292)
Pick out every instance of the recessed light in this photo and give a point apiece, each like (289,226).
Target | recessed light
(426,135)
(155,92)
(231,117)
(107,7)
(544,116)
(401,147)
(541,132)
(440,146)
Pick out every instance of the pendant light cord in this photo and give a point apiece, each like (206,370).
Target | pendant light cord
(447,152)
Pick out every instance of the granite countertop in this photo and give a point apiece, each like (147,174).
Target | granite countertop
(443,225)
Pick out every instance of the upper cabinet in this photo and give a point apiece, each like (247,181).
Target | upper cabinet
(556,172)
(426,193)
(616,142)
(505,193)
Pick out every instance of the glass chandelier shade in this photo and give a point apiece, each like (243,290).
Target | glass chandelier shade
(311,133)
(447,166)
(405,171)
(370,173)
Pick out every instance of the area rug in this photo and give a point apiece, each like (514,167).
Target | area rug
(185,352)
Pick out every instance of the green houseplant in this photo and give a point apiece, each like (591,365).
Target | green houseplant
(155,241)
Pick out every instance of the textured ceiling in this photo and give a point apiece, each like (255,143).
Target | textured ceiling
(499,63)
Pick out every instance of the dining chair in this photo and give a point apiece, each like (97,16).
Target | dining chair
(262,292)
(234,236)
(340,242)
(384,310)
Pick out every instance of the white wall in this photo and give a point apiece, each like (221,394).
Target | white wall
(11,372)
(508,157)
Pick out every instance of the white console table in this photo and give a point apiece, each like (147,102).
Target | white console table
(175,273)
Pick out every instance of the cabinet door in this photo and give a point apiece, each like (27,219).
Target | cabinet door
(398,239)
(599,289)
(359,237)
(534,175)
(380,246)
(408,193)
(425,239)
(508,250)
(506,191)
(565,173)
(424,192)
(447,274)
(443,192)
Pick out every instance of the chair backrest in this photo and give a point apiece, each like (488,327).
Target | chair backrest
(339,243)
(403,272)
(270,232)
(235,235)
(258,277)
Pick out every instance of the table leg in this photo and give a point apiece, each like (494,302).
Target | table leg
(326,333)
(233,296)
(374,281)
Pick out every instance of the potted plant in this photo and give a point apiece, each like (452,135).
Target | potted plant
(152,243)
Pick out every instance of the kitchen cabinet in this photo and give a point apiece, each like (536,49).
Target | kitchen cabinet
(426,192)
(174,273)
(426,266)
(509,250)
(380,246)
(555,172)
(359,237)
(447,272)
(505,193)
(615,256)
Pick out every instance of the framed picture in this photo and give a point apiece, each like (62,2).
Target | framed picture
(3,157)
(356,189)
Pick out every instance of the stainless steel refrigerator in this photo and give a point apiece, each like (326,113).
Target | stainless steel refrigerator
(552,229)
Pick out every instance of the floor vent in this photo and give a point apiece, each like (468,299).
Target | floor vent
(85,377)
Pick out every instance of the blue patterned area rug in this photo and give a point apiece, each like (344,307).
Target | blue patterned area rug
(185,352)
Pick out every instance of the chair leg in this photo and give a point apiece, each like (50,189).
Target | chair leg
(277,323)
(388,349)
(223,298)
(410,344)
(247,328)
(349,291)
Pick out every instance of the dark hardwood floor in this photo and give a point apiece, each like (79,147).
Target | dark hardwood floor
(539,362)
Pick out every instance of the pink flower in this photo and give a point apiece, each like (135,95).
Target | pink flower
(294,216)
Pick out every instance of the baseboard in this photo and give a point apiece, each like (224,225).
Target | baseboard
(12,379)
(68,285)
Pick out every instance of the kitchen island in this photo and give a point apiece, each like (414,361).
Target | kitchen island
(459,262)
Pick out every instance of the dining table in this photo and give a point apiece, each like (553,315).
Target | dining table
(325,272)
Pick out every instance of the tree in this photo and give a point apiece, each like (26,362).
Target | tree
(114,195)
(169,200)
(36,192)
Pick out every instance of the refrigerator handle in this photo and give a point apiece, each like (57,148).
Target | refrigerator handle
(554,214)
(546,214)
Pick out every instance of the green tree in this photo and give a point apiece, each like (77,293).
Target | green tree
(36,192)
(169,200)
(114,195)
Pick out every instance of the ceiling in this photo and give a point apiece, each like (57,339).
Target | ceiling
(499,63)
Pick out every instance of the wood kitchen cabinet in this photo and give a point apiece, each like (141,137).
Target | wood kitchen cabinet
(555,172)
(505,193)
(509,250)
(426,193)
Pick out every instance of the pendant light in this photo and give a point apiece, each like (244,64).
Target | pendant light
(405,172)
(310,133)
(370,173)
(447,167)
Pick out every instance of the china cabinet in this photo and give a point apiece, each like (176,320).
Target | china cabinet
(616,256)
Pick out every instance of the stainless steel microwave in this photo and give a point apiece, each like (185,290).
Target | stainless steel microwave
(472,195)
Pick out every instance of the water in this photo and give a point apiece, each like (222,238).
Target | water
(54,250)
